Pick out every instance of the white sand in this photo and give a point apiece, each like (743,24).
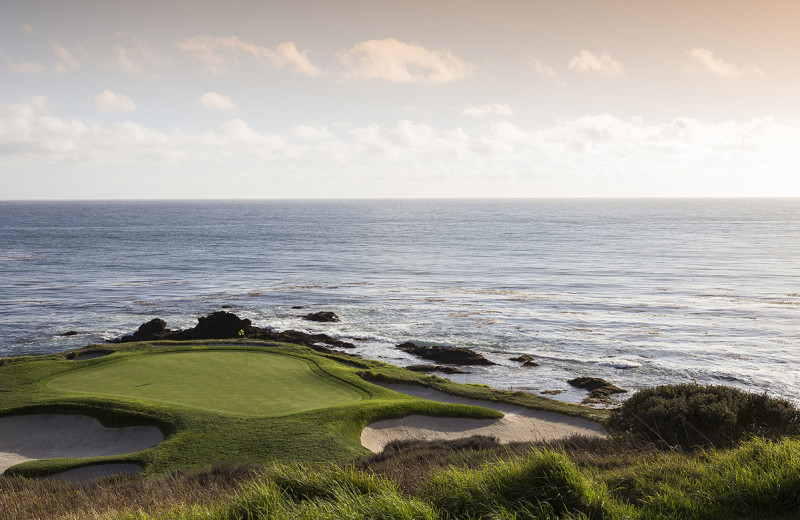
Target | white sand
(518,425)
(43,436)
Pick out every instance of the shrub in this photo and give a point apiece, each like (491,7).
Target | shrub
(694,416)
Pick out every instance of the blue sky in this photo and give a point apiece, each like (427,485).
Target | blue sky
(398,99)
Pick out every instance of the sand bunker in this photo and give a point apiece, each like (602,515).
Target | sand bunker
(44,436)
(518,425)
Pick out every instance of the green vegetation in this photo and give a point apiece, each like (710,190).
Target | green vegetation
(235,382)
(692,416)
(758,480)
(206,419)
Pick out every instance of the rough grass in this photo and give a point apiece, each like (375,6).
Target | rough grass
(575,479)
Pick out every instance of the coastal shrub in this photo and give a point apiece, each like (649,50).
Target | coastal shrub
(543,484)
(692,416)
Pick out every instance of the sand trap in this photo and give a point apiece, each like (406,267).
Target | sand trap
(518,425)
(44,436)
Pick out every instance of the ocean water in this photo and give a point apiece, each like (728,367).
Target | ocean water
(639,292)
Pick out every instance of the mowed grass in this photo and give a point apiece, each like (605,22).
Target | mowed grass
(232,382)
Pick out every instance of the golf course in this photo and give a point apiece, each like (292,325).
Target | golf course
(162,406)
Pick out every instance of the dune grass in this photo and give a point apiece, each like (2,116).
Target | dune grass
(235,382)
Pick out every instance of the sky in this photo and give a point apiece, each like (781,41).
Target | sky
(314,99)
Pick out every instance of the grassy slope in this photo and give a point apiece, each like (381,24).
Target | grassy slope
(198,438)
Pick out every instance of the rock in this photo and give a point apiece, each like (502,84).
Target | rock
(449,355)
(436,368)
(224,325)
(154,330)
(526,360)
(70,333)
(600,390)
(298,306)
(217,325)
(225,307)
(322,317)
(551,392)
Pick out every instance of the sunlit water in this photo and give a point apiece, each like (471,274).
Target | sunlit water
(640,292)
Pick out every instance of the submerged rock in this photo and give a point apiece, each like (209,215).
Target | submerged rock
(449,355)
(322,317)
(600,390)
(436,368)
(526,360)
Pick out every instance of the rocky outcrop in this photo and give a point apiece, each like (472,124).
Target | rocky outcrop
(217,325)
(153,330)
(436,368)
(225,325)
(322,317)
(448,355)
(600,390)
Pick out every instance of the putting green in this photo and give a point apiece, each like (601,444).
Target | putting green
(236,382)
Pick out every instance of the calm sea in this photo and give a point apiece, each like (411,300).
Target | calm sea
(640,292)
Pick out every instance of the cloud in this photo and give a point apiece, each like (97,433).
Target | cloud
(214,101)
(133,54)
(599,155)
(113,103)
(217,53)
(587,61)
(66,61)
(703,60)
(542,69)
(400,62)
(496,109)
(28,28)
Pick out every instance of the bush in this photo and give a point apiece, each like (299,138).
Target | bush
(694,416)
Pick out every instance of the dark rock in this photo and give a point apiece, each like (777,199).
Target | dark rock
(224,325)
(436,368)
(526,360)
(225,307)
(298,306)
(154,330)
(300,338)
(322,317)
(70,333)
(600,390)
(217,325)
(449,355)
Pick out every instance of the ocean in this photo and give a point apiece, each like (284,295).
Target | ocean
(638,292)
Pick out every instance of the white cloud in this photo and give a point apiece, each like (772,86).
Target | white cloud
(703,60)
(28,28)
(214,101)
(598,155)
(587,61)
(542,69)
(133,54)
(312,133)
(496,109)
(113,103)
(396,61)
(65,62)
(220,52)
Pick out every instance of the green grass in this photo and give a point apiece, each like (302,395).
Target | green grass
(235,382)
(757,480)
(205,419)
